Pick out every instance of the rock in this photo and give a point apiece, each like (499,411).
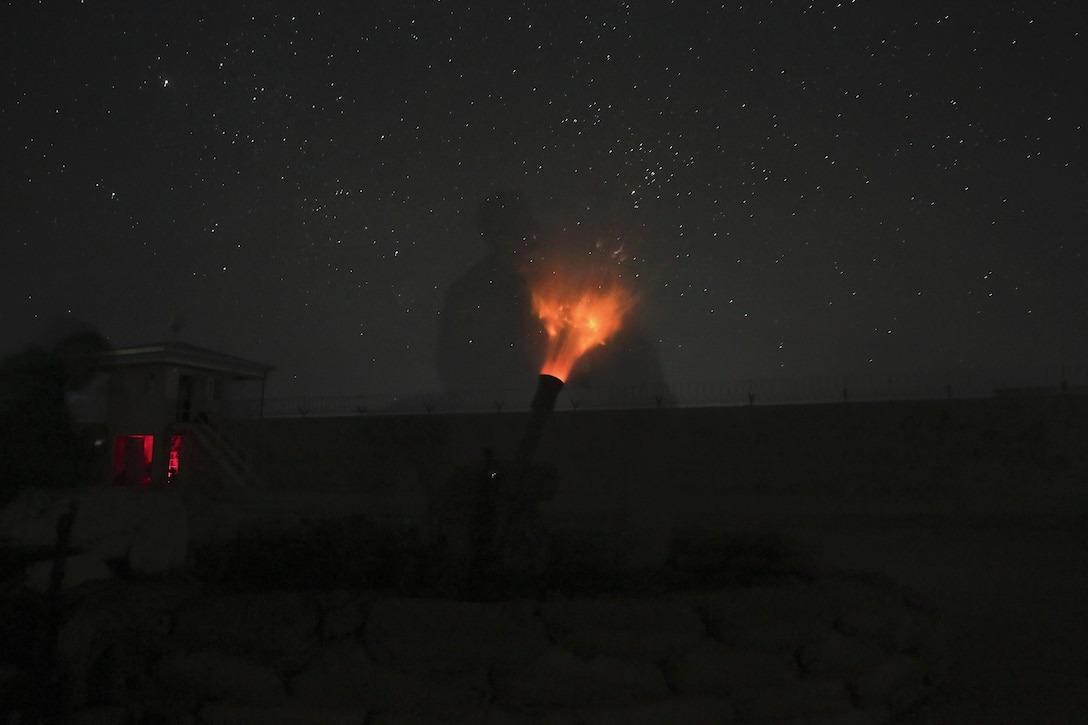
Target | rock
(430,694)
(801,699)
(140,615)
(644,544)
(168,708)
(160,543)
(148,528)
(290,713)
(689,711)
(876,716)
(859,597)
(106,643)
(341,613)
(450,636)
(116,675)
(107,715)
(833,654)
(717,670)
(584,551)
(642,628)
(878,611)
(897,628)
(341,674)
(909,695)
(31,519)
(78,569)
(209,675)
(81,642)
(279,628)
(734,556)
(486,715)
(778,618)
(907,629)
(559,678)
(17,686)
(880,682)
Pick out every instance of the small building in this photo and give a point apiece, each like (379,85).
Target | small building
(164,402)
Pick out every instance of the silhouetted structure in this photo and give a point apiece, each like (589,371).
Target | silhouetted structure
(164,399)
(488,336)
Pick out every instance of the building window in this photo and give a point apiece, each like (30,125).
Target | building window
(133,456)
(132,460)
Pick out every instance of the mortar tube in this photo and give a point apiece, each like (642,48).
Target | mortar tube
(547,390)
(505,493)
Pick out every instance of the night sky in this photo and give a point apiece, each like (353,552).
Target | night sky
(802,188)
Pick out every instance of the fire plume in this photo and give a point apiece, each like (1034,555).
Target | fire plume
(578,315)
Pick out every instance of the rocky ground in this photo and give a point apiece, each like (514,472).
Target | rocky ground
(289,613)
(1013,586)
(734,629)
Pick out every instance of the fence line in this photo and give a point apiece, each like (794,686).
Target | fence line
(977,383)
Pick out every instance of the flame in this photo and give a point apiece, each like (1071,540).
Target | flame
(577,315)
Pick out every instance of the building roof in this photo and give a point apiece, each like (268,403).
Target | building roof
(185,355)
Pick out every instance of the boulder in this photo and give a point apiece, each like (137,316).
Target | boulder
(103,715)
(560,678)
(861,607)
(78,569)
(31,519)
(342,613)
(106,642)
(289,713)
(803,699)
(452,636)
(279,628)
(773,618)
(909,695)
(689,711)
(16,686)
(160,543)
(833,654)
(884,679)
(880,611)
(486,715)
(210,675)
(339,675)
(147,528)
(640,628)
(718,670)
(342,675)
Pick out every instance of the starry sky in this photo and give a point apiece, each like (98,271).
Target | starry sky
(811,188)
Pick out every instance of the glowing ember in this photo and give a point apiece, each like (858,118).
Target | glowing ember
(577,316)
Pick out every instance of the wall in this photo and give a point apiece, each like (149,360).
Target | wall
(714,466)
(138,399)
